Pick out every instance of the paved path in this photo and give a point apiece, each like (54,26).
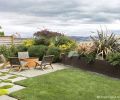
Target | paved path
(18,76)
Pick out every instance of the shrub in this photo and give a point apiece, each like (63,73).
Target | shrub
(114,58)
(65,44)
(8,51)
(42,41)
(22,48)
(28,42)
(90,58)
(61,40)
(13,50)
(1,33)
(105,44)
(54,51)
(37,51)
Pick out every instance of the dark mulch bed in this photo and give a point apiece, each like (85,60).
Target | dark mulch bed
(99,66)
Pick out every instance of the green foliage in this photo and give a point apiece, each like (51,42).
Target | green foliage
(22,48)
(105,44)
(54,51)
(7,81)
(8,51)
(62,40)
(28,43)
(4,50)
(73,53)
(114,58)
(37,51)
(46,33)
(13,50)
(42,41)
(6,87)
(3,91)
(12,77)
(65,44)
(90,58)
(1,33)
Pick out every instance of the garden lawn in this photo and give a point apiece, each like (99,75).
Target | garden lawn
(68,84)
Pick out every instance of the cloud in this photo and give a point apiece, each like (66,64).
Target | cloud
(74,17)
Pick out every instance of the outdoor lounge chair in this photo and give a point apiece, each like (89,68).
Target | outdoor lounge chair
(47,60)
(15,62)
(23,55)
(3,61)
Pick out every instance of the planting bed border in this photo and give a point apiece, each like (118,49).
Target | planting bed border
(99,66)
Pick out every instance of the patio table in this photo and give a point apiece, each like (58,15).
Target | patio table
(30,62)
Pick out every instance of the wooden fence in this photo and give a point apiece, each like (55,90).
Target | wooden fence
(8,40)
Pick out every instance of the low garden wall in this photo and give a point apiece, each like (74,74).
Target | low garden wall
(99,66)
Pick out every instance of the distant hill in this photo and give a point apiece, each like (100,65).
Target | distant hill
(80,38)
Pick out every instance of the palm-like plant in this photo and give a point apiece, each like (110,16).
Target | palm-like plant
(105,43)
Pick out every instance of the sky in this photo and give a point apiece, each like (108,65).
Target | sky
(71,17)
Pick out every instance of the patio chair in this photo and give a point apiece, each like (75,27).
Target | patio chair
(47,60)
(23,55)
(15,62)
(3,61)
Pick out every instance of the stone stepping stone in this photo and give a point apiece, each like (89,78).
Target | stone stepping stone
(19,78)
(3,84)
(6,76)
(15,88)
(4,70)
(5,97)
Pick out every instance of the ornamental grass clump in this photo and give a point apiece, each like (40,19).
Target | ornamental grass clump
(85,48)
(105,43)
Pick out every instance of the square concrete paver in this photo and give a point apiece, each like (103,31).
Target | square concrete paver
(5,97)
(15,88)
(19,78)
(6,76)
(4,84)
(4,70)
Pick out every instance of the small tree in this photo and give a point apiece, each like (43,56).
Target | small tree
(46,34)
(1,33)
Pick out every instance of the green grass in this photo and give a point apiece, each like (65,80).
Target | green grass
(12,77)
(68,84)
(6,86)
